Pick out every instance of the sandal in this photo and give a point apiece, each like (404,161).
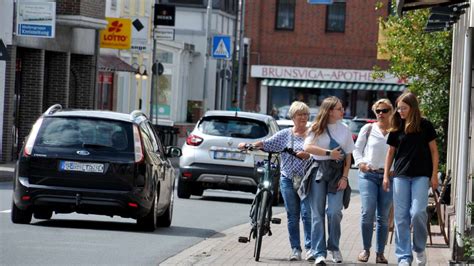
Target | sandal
(380,258)
(363,256)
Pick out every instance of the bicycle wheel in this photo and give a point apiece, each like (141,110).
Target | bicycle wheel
(261,216)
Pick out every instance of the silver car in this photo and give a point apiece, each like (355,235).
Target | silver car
(211,159)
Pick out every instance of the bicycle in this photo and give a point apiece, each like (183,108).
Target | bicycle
(261,209)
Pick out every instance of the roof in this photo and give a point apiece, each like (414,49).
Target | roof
(113,63)
(92,114)
(257,116)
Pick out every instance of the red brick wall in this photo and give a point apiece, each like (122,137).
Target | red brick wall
(88,8)
(309,45)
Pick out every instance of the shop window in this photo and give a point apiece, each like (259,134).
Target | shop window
(165,57)
(105,93)
(285,15)
(336,16)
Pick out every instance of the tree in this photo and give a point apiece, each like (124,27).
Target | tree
(424,59)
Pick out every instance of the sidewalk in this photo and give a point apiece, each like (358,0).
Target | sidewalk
(224,249)
(6,171)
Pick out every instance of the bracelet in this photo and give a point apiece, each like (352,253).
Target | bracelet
(344,177)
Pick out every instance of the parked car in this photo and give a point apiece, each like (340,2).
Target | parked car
(286,123)
(356,124)
(211,159)
(94,162)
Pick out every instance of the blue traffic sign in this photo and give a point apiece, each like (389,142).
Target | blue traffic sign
(221,47)
(320,2)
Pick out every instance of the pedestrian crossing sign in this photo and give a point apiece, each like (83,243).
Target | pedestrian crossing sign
(221,47)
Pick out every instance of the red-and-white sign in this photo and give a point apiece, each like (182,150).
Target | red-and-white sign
(328,74)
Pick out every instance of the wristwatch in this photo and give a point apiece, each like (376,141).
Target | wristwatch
(328,153)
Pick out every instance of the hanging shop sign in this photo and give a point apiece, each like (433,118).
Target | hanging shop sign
(164,15)
(140,32)
(36,19)
(117,35)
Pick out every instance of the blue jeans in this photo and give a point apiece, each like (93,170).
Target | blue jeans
(411,199)
(317,196)
(375,203)
(294,209)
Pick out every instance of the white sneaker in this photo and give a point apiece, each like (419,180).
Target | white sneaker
(309,255)
(336,256)
(403,263)
(295,254)
(420,258)
(320,260)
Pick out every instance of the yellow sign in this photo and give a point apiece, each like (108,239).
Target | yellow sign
(117,35)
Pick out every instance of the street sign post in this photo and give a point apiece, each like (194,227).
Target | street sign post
(221,48)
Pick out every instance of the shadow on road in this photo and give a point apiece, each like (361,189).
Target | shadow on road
(188,231)
(123,226)
(225,199)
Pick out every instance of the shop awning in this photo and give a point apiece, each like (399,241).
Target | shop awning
(113,63)
(338,85)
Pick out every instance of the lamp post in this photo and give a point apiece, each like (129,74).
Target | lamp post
(140,73)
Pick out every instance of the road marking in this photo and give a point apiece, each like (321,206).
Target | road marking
(6,211)
(7,169)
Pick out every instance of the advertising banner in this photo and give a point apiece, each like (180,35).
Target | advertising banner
(117,35)
(140,33)
(36,19)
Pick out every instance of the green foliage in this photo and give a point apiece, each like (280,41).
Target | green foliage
(468,246)
(424,59)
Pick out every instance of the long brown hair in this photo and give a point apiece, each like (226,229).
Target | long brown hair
(321,121)
(413,120)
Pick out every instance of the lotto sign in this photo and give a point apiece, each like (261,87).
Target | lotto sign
(117,35)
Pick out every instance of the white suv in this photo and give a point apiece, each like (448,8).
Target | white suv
(211,159)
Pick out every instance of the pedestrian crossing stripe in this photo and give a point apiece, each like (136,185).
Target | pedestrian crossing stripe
(6,211)
(221,49)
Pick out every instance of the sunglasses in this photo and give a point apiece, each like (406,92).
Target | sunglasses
(379,111)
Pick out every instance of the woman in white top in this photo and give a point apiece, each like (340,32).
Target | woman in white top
(328,141)
(369,155)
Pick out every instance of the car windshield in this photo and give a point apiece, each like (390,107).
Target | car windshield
(84,132)
(236,127)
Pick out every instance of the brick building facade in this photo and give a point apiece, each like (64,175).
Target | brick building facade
(45,71)
(295,36)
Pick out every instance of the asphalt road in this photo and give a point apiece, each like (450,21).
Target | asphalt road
(90,239)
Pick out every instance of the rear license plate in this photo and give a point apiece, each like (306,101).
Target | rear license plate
(226,155)
(81,167)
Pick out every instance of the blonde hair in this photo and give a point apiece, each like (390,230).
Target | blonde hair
(297,107)
(382,101)
(413,120)
(322,119)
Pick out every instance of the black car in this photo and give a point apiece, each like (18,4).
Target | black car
(94,162)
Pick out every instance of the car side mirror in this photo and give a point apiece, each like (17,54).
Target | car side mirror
(172,152)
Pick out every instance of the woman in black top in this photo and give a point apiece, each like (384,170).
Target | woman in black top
(412,143)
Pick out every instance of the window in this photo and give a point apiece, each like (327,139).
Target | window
(285,16)
(336,16)
(164,57)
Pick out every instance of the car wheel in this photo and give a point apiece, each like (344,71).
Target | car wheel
(184,191)
(148,222)
(20,216)
(43,214)
(165,219)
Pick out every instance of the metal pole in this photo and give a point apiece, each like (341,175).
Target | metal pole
(461,183)
(153,77)
(206,57)
(241,55)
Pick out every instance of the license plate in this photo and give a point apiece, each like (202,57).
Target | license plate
(226,155)
(81,167)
